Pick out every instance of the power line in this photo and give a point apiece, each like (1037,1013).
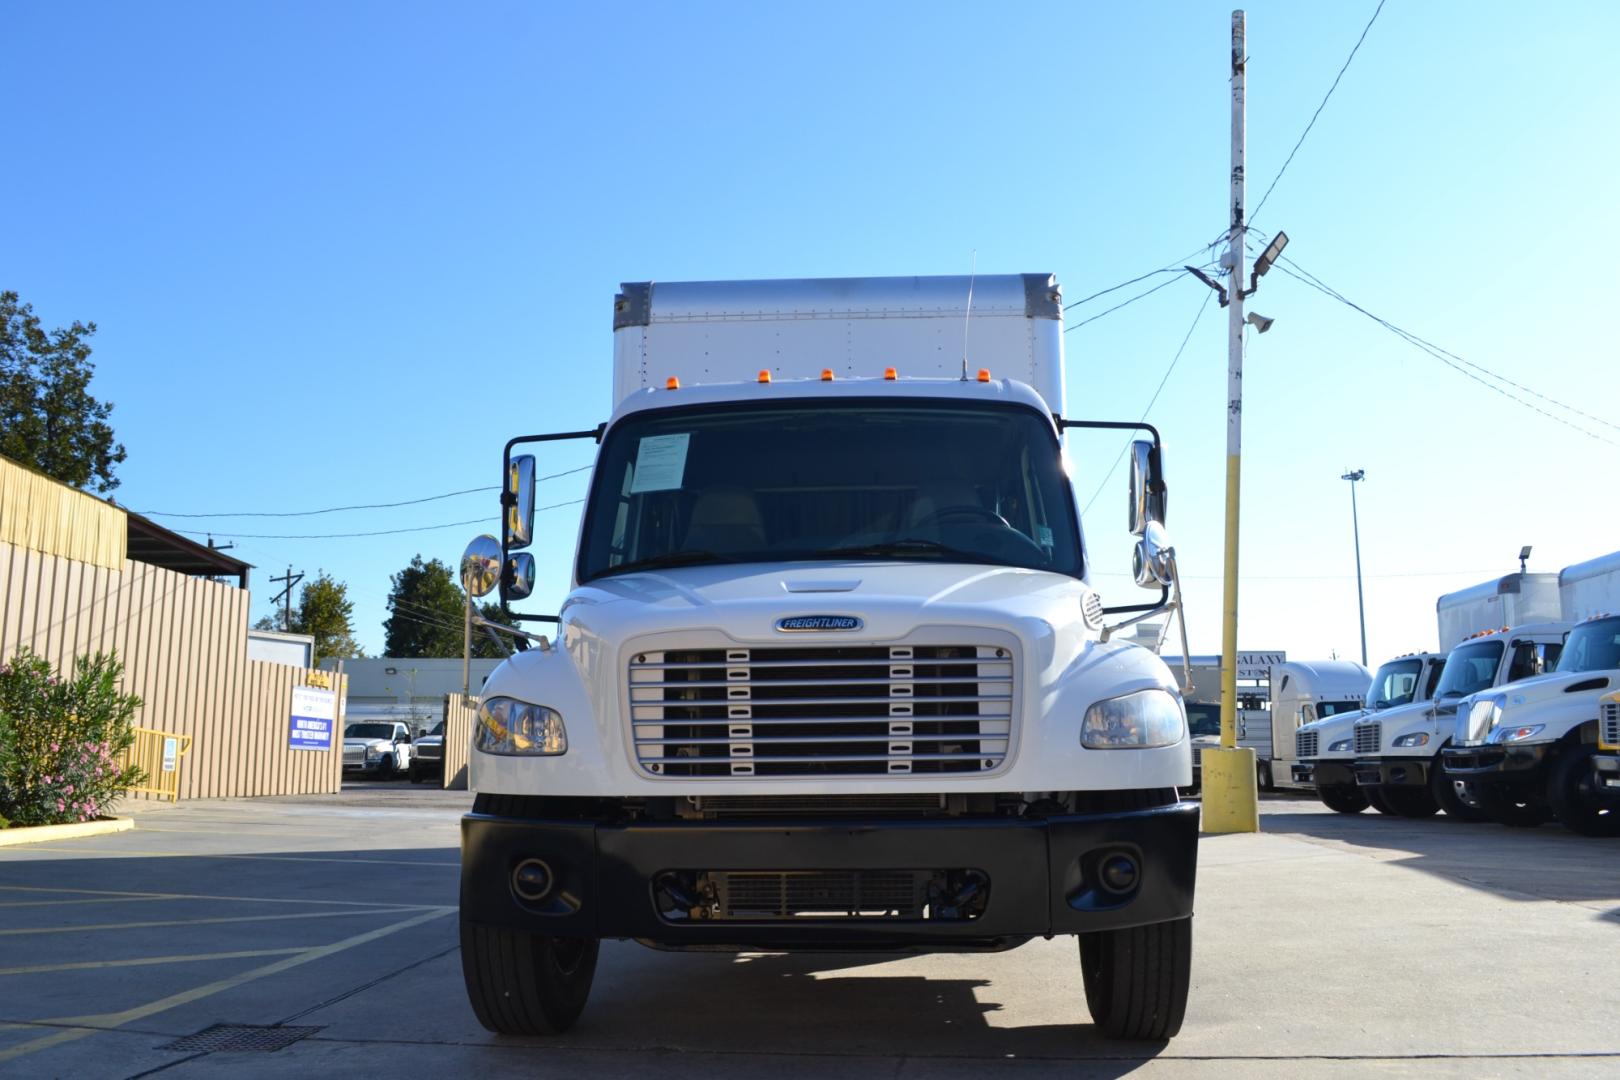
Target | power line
(360,506)
(1175,267)
(1451,359)
(1173,361)
(1124,303)
(1289,160)
(376,532)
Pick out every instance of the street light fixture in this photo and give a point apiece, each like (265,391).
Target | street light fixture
(1355,524)
(1524,557)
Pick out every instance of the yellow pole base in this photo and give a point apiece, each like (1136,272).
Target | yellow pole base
(1231,791)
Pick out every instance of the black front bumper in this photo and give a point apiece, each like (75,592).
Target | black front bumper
(1393,771)
(1040,874)
(1336,773)
(1518,764)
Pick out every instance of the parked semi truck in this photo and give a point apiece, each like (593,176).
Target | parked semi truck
(1606,760)
(1324,748)
(1273,702)
(1529,748)
(831,674)
(1398,754)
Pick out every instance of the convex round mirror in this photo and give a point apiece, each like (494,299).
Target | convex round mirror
(481,566)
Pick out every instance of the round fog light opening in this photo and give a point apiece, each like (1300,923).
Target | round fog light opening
(532,879)
(1119,873)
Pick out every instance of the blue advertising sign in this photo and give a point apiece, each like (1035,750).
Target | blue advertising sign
(314,713)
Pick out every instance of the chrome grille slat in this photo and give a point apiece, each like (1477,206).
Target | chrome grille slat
(1306,743)
(1609,719)
(1369,737)
(829,710)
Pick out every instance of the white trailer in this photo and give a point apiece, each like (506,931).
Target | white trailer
(1510,600)
(831,672)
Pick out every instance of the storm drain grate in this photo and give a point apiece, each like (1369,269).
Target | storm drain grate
(241,1039)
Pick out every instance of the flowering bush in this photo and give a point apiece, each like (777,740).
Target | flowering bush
(62,741)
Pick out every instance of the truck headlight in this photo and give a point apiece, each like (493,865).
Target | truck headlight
(1340,747)
(1133,721)
(1416,738)
(509,726)
(1516,734)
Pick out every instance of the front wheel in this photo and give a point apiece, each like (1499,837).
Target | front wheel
(1375,799)
(1573,794)
(1343,798)
(1136,979)
(1410,802)
(526,984)
(1515,809)
(1455,797)
(1263,777)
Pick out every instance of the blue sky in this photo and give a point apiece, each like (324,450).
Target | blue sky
(339,253)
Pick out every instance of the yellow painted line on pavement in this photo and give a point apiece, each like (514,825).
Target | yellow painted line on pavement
(199,922)
(142,961)
(108,1021)
(119,852)
(115,894)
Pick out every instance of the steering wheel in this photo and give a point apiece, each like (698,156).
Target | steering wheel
(965,510)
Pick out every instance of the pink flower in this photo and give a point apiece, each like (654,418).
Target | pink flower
(56,748)
(60,806)
(68,790)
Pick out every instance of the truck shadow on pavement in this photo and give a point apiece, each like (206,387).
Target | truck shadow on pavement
(1545,863)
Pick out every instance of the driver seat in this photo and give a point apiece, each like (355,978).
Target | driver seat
(931,500)
(726,521)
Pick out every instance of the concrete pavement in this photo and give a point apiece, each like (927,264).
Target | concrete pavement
(1338,946)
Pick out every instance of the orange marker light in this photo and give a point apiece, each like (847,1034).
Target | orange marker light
(984,374)
(826,374)
(764,376)
(672,384)
(890,374)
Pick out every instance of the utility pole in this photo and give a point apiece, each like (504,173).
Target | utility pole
(1231,798)
(1355,524)
(285,595)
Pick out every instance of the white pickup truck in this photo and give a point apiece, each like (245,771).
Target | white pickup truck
(376,748)
(831,673)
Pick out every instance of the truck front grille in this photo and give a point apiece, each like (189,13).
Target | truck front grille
(1609,725)
(1369,737)
(829,711)
(1306,743)
(871,894)
(354,757)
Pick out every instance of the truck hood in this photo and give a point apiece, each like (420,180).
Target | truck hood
(1557,698)
(875,590)
(362,744)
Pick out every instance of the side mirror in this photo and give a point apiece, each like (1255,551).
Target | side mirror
(1151,561)
(1148,495)
(481,565)
(518,582)
(519,502)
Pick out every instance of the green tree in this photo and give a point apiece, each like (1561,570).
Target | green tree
(326,612)
(425,614)
(48,419)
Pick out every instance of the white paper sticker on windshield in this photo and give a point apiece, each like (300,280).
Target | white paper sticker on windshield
(660,463)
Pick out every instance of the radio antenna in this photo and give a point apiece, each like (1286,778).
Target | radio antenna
(967,315)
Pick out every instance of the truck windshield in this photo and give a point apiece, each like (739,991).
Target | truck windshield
(1592,646)
(808,480)
(1395,684)
(369,731)
(1325,709)
(1203,719)
(1470,668)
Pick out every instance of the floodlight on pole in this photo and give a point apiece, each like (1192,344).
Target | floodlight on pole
(1272,253)
(1524,557)
(1355,524)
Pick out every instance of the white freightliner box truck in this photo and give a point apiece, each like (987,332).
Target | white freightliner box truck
(830,674)
(1529,748)
(1399,754)
(1324,749)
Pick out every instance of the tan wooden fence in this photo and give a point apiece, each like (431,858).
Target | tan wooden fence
(183,643)
(460,714)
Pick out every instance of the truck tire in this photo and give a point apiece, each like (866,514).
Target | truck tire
(1511,808)
(1343,798)
(1136,979)
(1573,794)
(526,984)
(1410,802)
(385,771)
(1450,795)
(416,773)
(1263,776)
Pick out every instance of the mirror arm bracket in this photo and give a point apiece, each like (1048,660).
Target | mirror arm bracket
(510,499)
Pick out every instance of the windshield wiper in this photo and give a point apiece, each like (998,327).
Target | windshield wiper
(669,560)
(910,546)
